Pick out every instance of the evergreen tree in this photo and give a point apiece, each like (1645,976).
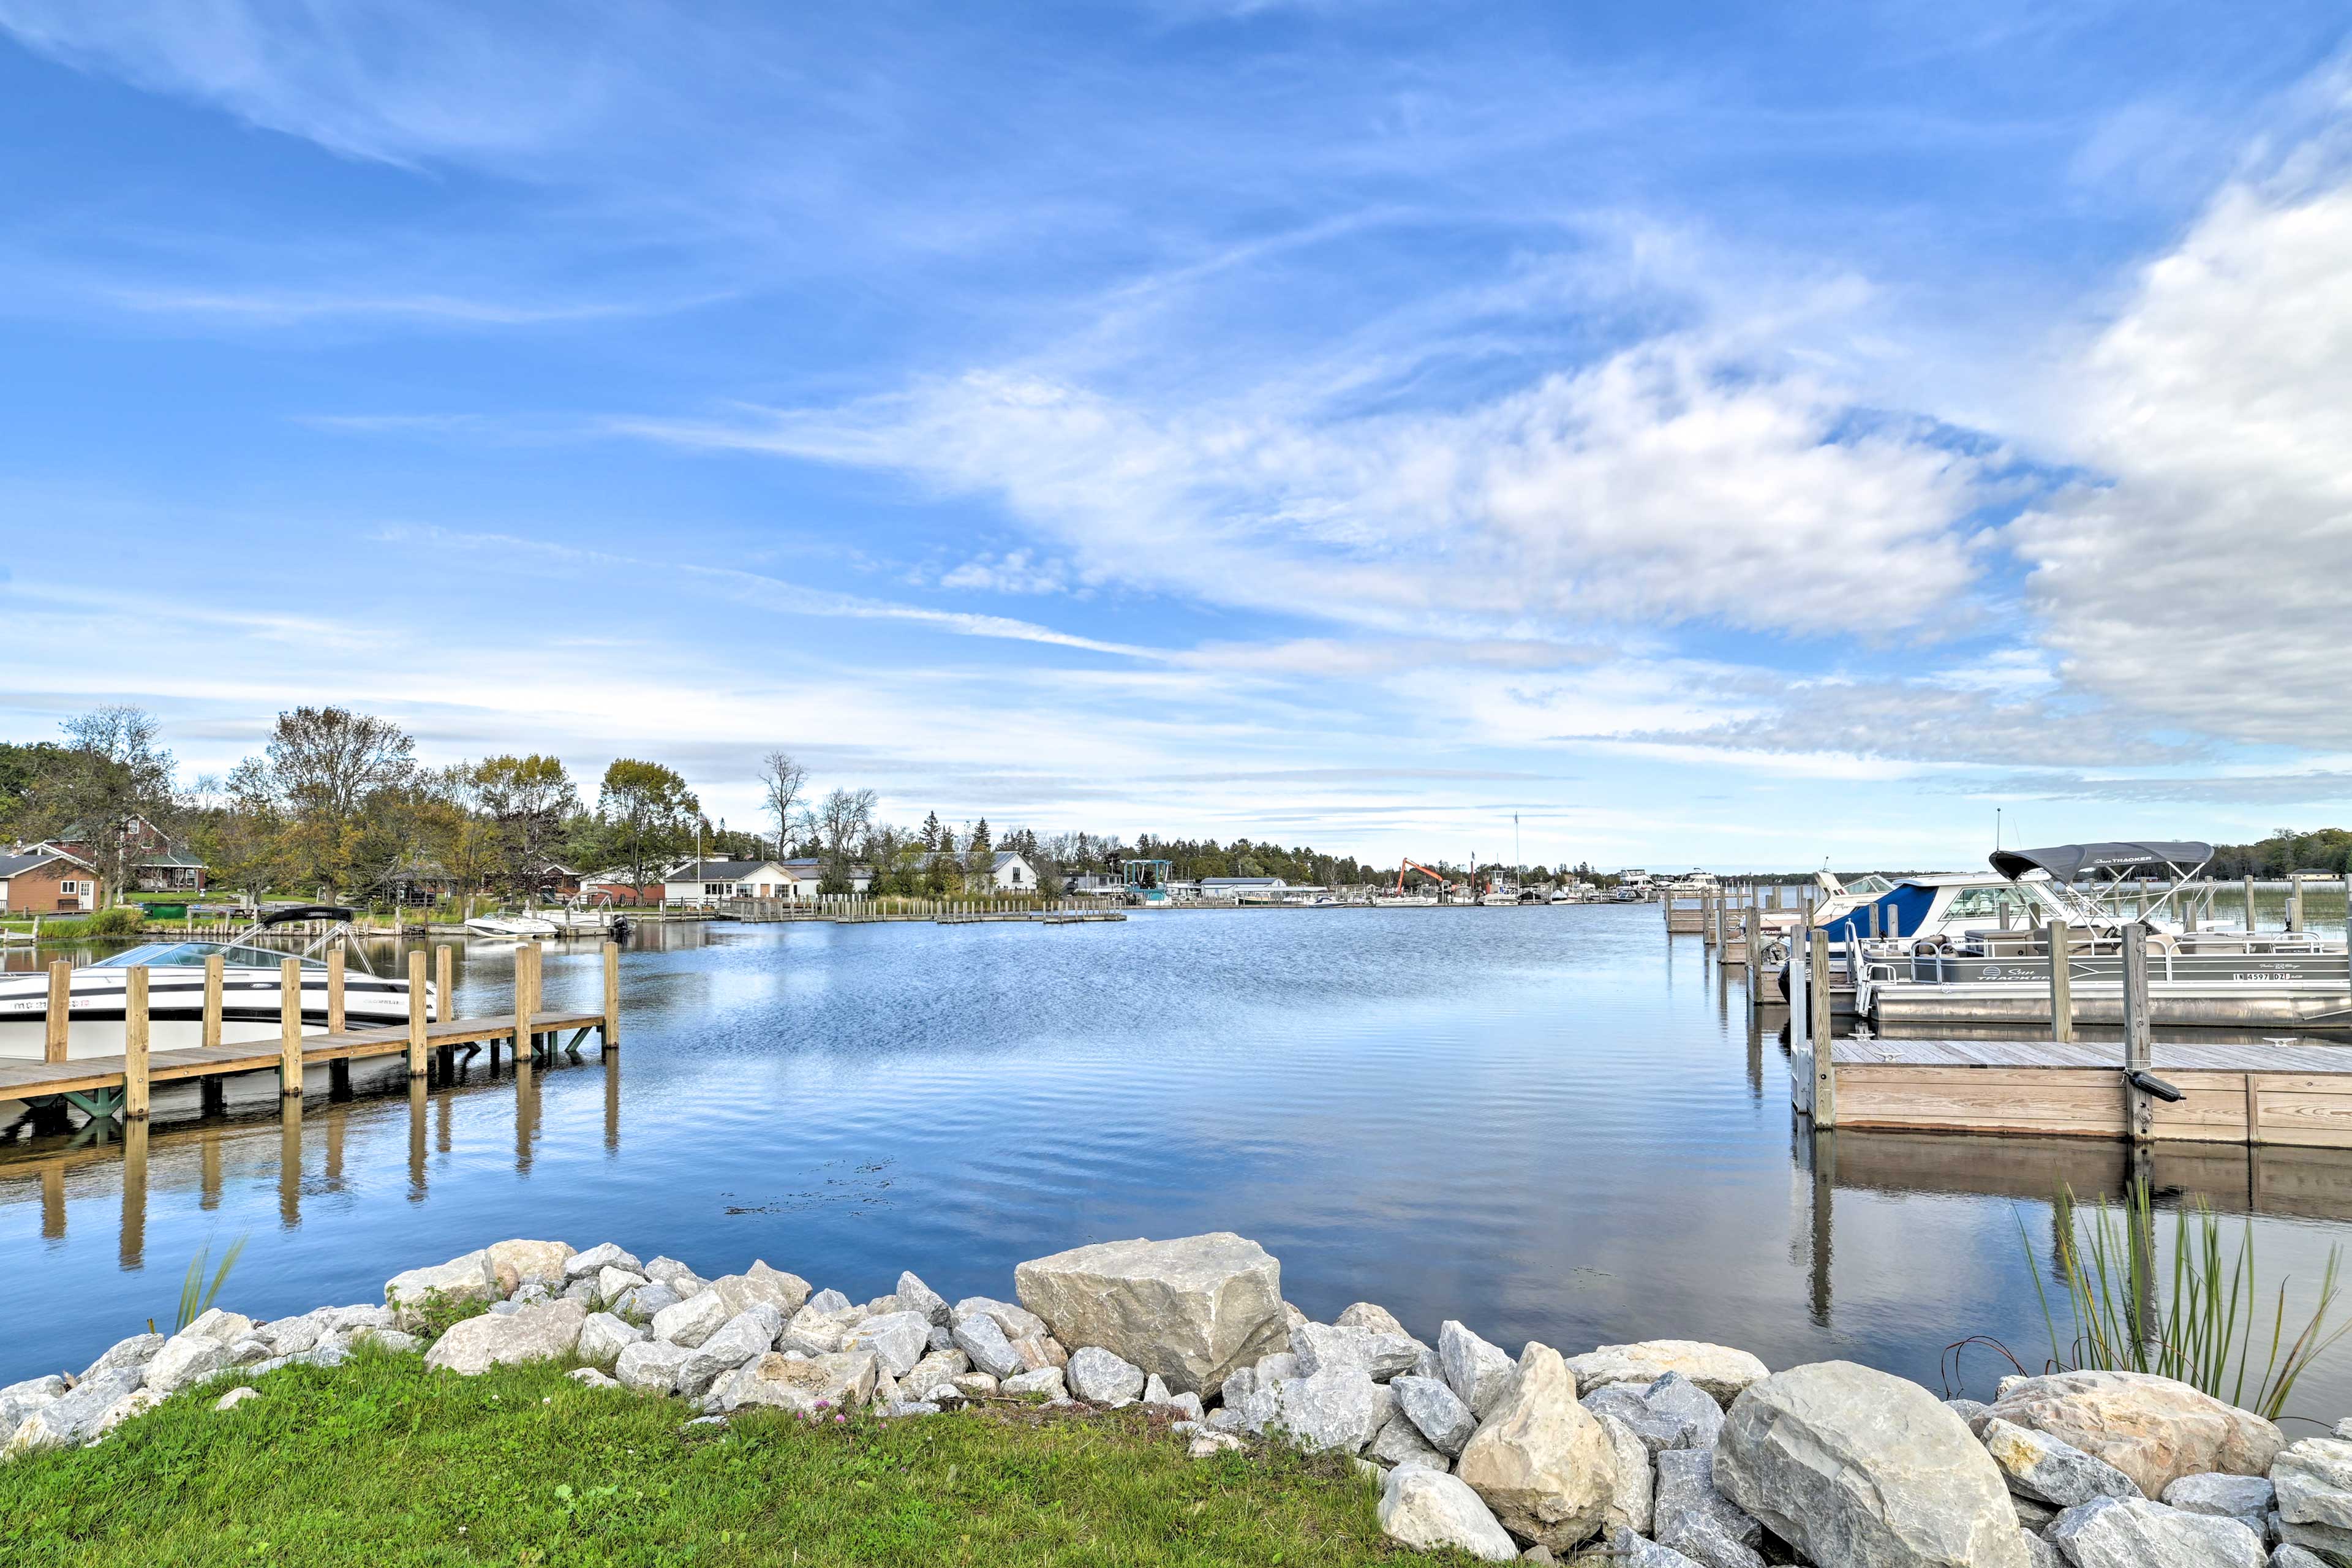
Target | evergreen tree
(931,831)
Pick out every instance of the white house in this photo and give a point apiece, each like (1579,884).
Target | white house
(1009,871)
(706,881)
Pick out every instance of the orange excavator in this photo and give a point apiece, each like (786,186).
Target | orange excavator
(1439,876)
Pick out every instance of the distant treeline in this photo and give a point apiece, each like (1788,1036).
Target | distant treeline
(336,803)
(2323,849)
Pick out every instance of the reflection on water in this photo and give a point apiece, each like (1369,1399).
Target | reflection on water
(1553,1123)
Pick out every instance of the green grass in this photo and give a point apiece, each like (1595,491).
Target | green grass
(380,1462)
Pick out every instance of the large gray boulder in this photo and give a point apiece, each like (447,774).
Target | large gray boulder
(694,1320)
(916,1297)
(186,1357)
(899,1340)
(814,1331)
(1107,1379)
(1633,1489)
(819,1386)
(1480,1373)
(2133,1533)
(982,1338)
(1017,1322)
(1720,1370)
(1400,1442)
(136,1350)
(763,1286)
(465,1277)
(78,1417)
(749,1334)
(603,1338)
(604,1255)
(549,1331)
(1621,1548)
(2327,1540)
(1437,1410)
(2153,1429)
(2313,1482)
(1695,1519)
(2247,1499)
(1857,1468)
(936,1371)
(1191,1309)
(1331,1412)
(514,1264)
(650,1366)
(1327,1347)
(1430,1510)
(1372,1316)
(1541,1460)
(1671,1412)
(2037,1466)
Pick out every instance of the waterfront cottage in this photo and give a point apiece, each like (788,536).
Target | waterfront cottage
(1009,870)
(46,881)
(695,883)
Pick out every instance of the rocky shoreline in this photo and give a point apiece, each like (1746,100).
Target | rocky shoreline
(1663,1454)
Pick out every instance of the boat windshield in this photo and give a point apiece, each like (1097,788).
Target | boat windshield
(1871,883)
(192,955)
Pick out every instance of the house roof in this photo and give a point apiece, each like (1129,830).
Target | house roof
(17,865)
(1243,882)
(997,862)
(172,858)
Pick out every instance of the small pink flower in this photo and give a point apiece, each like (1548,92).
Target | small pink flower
(839,1420)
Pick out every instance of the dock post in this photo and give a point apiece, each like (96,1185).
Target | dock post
(1817,995)
(612,1030)
(335,990)
(2139,1106)
(2294,901)
(445,984)
(416,1033)
(290,1029)
(215,990)
(2062,982)
(134,1043)
(2249,906)
(55,1034)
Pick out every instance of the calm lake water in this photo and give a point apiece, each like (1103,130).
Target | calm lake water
(1552,1123)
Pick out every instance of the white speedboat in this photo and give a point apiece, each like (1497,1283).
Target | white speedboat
(1404,900)
(512,928)
(252,995)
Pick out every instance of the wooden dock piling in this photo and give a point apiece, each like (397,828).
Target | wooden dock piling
(335,990)
(134,1043)
(444,982)
(2139,1105)
(290,1029)
(1821,1028)
(418,1032)
(612,994)
(2062,982)
(60,1016)
(216,999)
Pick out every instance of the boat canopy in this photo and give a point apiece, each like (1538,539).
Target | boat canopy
(307,912)
(2064,862)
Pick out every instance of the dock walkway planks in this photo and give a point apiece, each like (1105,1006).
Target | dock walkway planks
(29,1081)
(2234,1093)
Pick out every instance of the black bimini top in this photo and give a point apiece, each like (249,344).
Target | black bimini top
(308,912)
(2065,862)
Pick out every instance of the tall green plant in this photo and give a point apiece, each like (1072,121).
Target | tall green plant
(2206,1332)
(195,1296)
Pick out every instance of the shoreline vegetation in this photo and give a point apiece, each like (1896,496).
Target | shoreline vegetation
(1136,1402)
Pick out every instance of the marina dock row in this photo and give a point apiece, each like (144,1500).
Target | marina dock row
(110,1086)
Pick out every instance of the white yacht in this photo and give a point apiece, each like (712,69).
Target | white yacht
(252,993)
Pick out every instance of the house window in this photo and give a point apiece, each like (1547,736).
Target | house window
(1016,876)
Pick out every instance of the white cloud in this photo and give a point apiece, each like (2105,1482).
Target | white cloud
(1668,480)
(2202,583)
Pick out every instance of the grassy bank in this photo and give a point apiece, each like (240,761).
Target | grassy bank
(380,1462)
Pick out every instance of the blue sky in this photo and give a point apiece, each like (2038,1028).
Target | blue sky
(1723,433)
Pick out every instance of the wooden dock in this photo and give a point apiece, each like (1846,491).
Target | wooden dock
(2230,1093)
(104,1087)
(2138,1089)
